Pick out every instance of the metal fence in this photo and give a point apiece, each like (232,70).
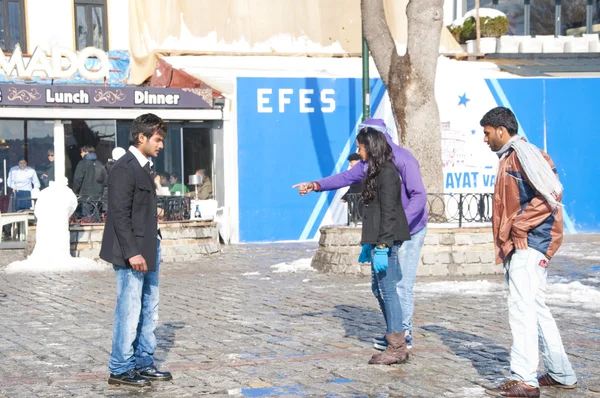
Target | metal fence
(92,209)
(442,208)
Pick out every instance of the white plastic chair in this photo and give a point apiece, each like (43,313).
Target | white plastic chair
(14,219)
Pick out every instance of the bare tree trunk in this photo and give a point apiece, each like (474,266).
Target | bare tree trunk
(410,79)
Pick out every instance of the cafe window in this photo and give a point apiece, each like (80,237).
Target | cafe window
(31,139)
(91,24)
(12,25)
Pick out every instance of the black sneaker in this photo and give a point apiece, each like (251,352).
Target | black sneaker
(129,378)
(154,374)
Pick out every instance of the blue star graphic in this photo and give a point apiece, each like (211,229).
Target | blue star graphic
(463,100)
(473,132)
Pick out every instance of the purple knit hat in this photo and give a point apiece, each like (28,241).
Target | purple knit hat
(377,124)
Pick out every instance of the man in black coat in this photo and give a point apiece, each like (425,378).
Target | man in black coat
(131,242)
(89,179)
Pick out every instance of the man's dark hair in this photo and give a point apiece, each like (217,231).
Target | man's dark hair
(88,149)
(164,174)
(175,176)
(353,156)
(501,117)
(146,124)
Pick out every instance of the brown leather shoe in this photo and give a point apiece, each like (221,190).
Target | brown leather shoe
(396,351)
(546,380)
(514,388)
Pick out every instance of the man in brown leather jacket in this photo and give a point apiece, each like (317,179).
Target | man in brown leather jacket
(528,230)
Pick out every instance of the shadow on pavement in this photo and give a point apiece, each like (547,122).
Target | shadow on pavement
(362,323)
(489,359)
(165,337)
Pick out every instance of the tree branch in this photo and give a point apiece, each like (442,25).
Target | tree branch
(378,36)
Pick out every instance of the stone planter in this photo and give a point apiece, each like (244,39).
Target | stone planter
(182,240)
(446,252)
(487,44)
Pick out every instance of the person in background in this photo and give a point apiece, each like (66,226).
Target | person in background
(384,230)
(116,155)
(49,174)
(353,159)
(205,190)
(165,179)
(22,179)
(527,224)
(90,176)
(177,186)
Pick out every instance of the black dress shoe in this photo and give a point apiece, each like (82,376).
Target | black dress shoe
(154,374)
(129,378)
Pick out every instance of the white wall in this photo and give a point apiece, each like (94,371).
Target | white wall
(118,24)
(49,23)
(461,9)
(52,23)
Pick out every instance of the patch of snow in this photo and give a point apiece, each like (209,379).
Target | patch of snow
(483,12)
(467,392)
(557,294)
(251,273)
(481,287)
(67,264)
(574,293)
(302,264)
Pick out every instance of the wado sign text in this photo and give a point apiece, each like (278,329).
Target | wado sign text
(59,63)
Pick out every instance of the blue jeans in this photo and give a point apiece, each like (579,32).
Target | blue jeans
(383,285)
(20,203)
(136,317)
(409,255)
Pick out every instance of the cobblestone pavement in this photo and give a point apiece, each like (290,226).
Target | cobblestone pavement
(230,325)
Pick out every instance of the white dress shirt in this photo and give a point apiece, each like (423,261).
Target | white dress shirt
(22,179)
(140,157)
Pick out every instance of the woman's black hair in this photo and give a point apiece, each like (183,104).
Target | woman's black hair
(378,153)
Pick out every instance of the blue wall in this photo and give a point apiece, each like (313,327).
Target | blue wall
(287,145)
(568,108)
(283,143)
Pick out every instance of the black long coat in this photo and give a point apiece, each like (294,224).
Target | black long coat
(385,220)
(131,219)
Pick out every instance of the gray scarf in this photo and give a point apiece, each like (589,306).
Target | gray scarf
(536,168)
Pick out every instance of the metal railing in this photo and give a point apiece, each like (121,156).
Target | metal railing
(442,207)
(92,209)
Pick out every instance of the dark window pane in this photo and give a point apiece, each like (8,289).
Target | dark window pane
(81,27)
(97,27)
(14,24)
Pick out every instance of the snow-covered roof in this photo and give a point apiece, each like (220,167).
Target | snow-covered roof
(221,72)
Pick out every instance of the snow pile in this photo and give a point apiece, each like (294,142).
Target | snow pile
(573,294)
(561,294)
(67,264)
(294,266)
(483,12)
(470,288)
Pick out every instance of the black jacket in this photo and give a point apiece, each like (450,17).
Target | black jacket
(131,219)
(90,176)
(384,220)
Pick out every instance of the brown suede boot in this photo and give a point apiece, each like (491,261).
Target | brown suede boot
(396,351)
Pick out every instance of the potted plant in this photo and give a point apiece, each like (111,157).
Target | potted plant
(493,24)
